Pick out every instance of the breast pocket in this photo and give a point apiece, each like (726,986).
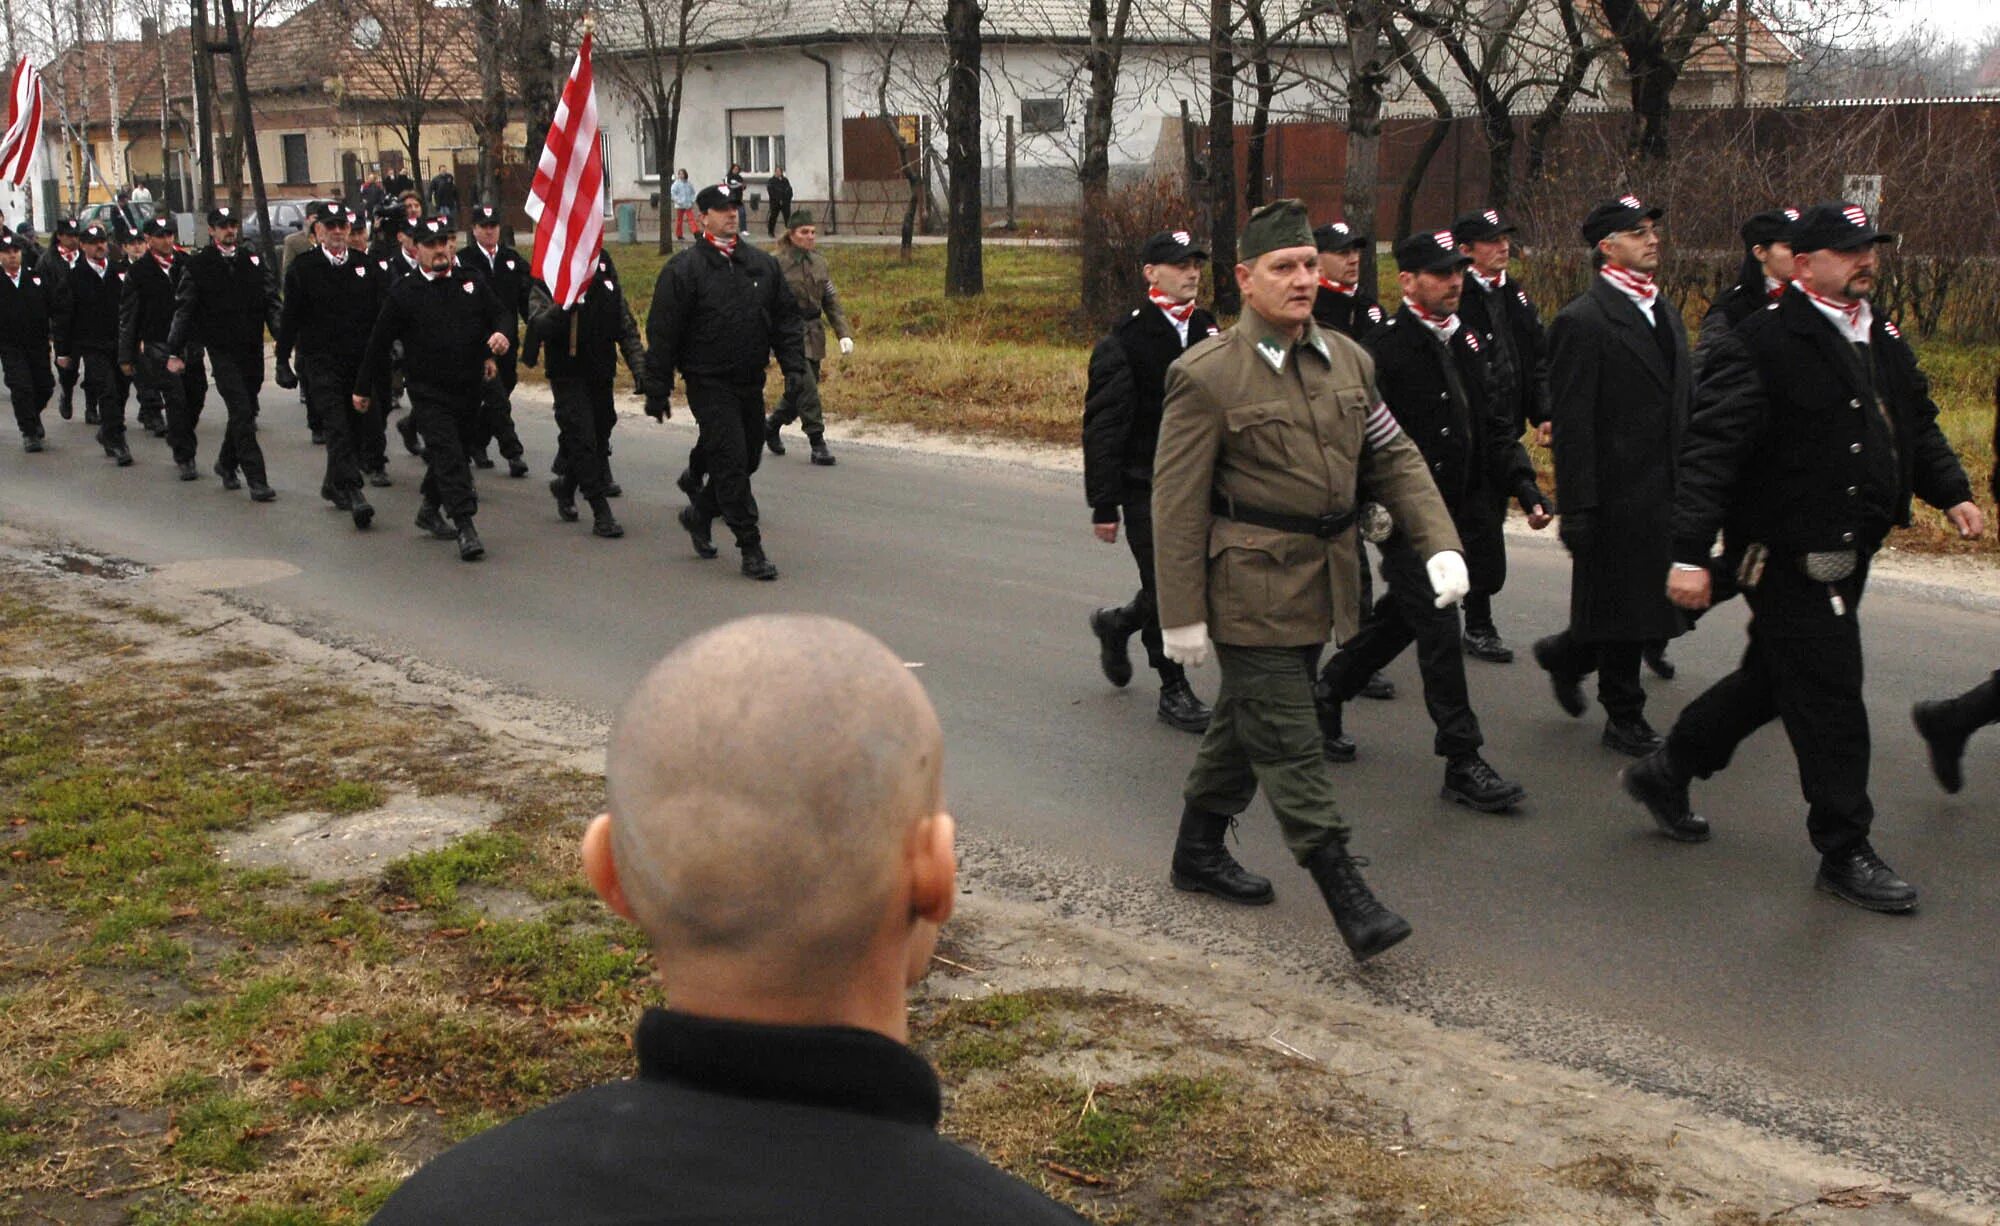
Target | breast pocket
(1263,432)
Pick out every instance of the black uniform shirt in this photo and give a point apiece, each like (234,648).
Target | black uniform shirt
(1351,314)
(225,302)
(443,322)
(146,310)
(84,311)
(730,1122)
(1122,401)
(330,308)
(1441,394)
(24,312)
(506,272)
(721,317)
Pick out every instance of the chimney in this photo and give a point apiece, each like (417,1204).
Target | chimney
(149,30)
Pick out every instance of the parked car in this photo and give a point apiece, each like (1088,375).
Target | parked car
(105,215)
(288,216)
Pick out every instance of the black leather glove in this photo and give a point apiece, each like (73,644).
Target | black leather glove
(659,407)
(285,376)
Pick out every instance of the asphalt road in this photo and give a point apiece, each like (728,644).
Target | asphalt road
(1569,930)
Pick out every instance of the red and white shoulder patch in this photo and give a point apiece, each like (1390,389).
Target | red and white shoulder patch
(469,287)
(1471,339)
(1889,326)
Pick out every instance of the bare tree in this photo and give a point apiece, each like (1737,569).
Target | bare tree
(1367,76)
(413,69)
(662,35)
(964,263)
(1104,57)
(1221,169)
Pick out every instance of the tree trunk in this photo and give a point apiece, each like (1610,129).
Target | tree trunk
(1406,200)
(1222,158)
(535,74)
(1499,158)
(246,129)
(492,125)
(1260,109)
(1103,279)
(1364,128)
(964,267)
(204,95)
(1653,80)
(664,139)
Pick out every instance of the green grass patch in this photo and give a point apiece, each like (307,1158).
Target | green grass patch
(216,1132)
(433,877)
(559,963)
(351,796)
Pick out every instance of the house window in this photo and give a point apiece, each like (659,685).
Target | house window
(297,171)
(649,150)
(757,140)
(1041,115)
(604,163)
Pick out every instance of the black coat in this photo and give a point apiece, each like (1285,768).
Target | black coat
(1788,449)
(330,310)
(730,1122)
(781,193)
(602,325)
(1122,401)
(1734,305)
(146,309)
(225,304)
(722,318)
(1352,315)
(24,314)
(1512,330)
(443,324)
(1470,444)
(83,315)
(1620,405)
(507,275)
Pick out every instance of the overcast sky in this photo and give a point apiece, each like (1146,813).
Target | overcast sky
(1961,20)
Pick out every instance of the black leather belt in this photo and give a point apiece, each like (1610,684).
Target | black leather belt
(1325,527)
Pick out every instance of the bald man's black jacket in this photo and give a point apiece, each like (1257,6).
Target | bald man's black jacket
(729,1122)
(1122,402)
(443,323)
(721,319)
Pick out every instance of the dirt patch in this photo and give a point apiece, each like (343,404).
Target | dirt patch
(356,846)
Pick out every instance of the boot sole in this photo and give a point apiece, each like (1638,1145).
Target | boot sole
(1347,754)
(1946,768)
(1182,725)
(1188,885)
(1879,906)
(1383,944)
(1677,834)
(363,516)
(828,462)
(1632,749)
(1484,806)
(1503,656)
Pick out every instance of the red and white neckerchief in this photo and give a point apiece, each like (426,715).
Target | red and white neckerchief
(1638,286)
(1489,284)
(99,266)
(1774,289)
(1444,327)
(1851,319)
(227,253)
(1338,287)
(338,261)
(70,257)
(166,265)
(1176,311)
(727,246)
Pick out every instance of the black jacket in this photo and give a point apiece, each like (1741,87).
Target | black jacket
(1620,404)
(1122,401)
(508,275)
(83,315)
(721,317)
(225,304)
(602,324)
(146,309)
(730,1122)
(52,266)
(24,313)
(1735,304)
(1512,330)
(443,325)
(1467,439)
(1787,447)
(330,310)
(1350,314)
(781,193)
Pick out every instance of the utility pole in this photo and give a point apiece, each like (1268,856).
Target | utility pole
(204,93)
(246,130)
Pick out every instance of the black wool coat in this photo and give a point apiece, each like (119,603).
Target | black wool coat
(1122,402)
(1620,406)
(1511,327)
(1351,315)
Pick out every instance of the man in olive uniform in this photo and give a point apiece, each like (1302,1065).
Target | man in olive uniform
(1814,429)
(145,320)
(84,330)
(1498,311)
(225,302)
(1340,304)
(811,283)
(1121,425)
(1620,387)
(24,340)
(1432,371)
(505,271)
(1267,435)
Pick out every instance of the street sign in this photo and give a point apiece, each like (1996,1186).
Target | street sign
(1864,190)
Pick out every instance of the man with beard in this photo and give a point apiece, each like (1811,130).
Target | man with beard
(332,298)
(1814,429)
(1121,427)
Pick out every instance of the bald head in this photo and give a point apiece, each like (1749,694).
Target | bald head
(764,781)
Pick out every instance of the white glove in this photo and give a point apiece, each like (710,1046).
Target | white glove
(846,345)
(1186,646)
(1448,577)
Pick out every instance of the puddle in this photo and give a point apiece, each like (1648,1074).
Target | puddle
(78,562)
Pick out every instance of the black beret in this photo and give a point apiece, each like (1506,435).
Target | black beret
(9,241)
(485,215)
(223,216)
(429,231)
(158,226)
(1172,247)
(65,226)
(1480,225)
(94,233)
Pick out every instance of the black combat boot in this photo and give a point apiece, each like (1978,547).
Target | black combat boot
(564,490)
(1113,627)
(408,429)
(228,475)
(480,459)
(820,455)
(1202,863)
(470,547)
(1859,876)
(772,437)
(1470,781)
(90,417)
(1379,688)
(697,525)
(1483,643)
(1655,782)
(1365,924)
(430,517)
(688,484)
(517,466)
(1334,741)
(1945,725)
(359,508)
(1179,708)
(1631,736)
(1568,686)
(379,478)
(756,565)
(66,406)
(319,438)
(32,444)
(601,523)
(611,487)
(186,470)
(259,491)
(341,499)
(1655,656)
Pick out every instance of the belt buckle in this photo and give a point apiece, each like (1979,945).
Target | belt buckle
(1326,527)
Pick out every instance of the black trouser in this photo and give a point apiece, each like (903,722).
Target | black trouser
(496,408)
(328,380)
(584,413)
(104,390)
(67,375)
(1409,614)
(1803,666)
(448,419)
(30,383)
(1485,541)
(371,429)
(731,445)
(1616,665)
(776,215)
(183,394)
(1143,613)
(238,376)
(316,421)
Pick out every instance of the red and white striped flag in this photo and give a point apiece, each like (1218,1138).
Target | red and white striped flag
(566,199)
(24,124)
